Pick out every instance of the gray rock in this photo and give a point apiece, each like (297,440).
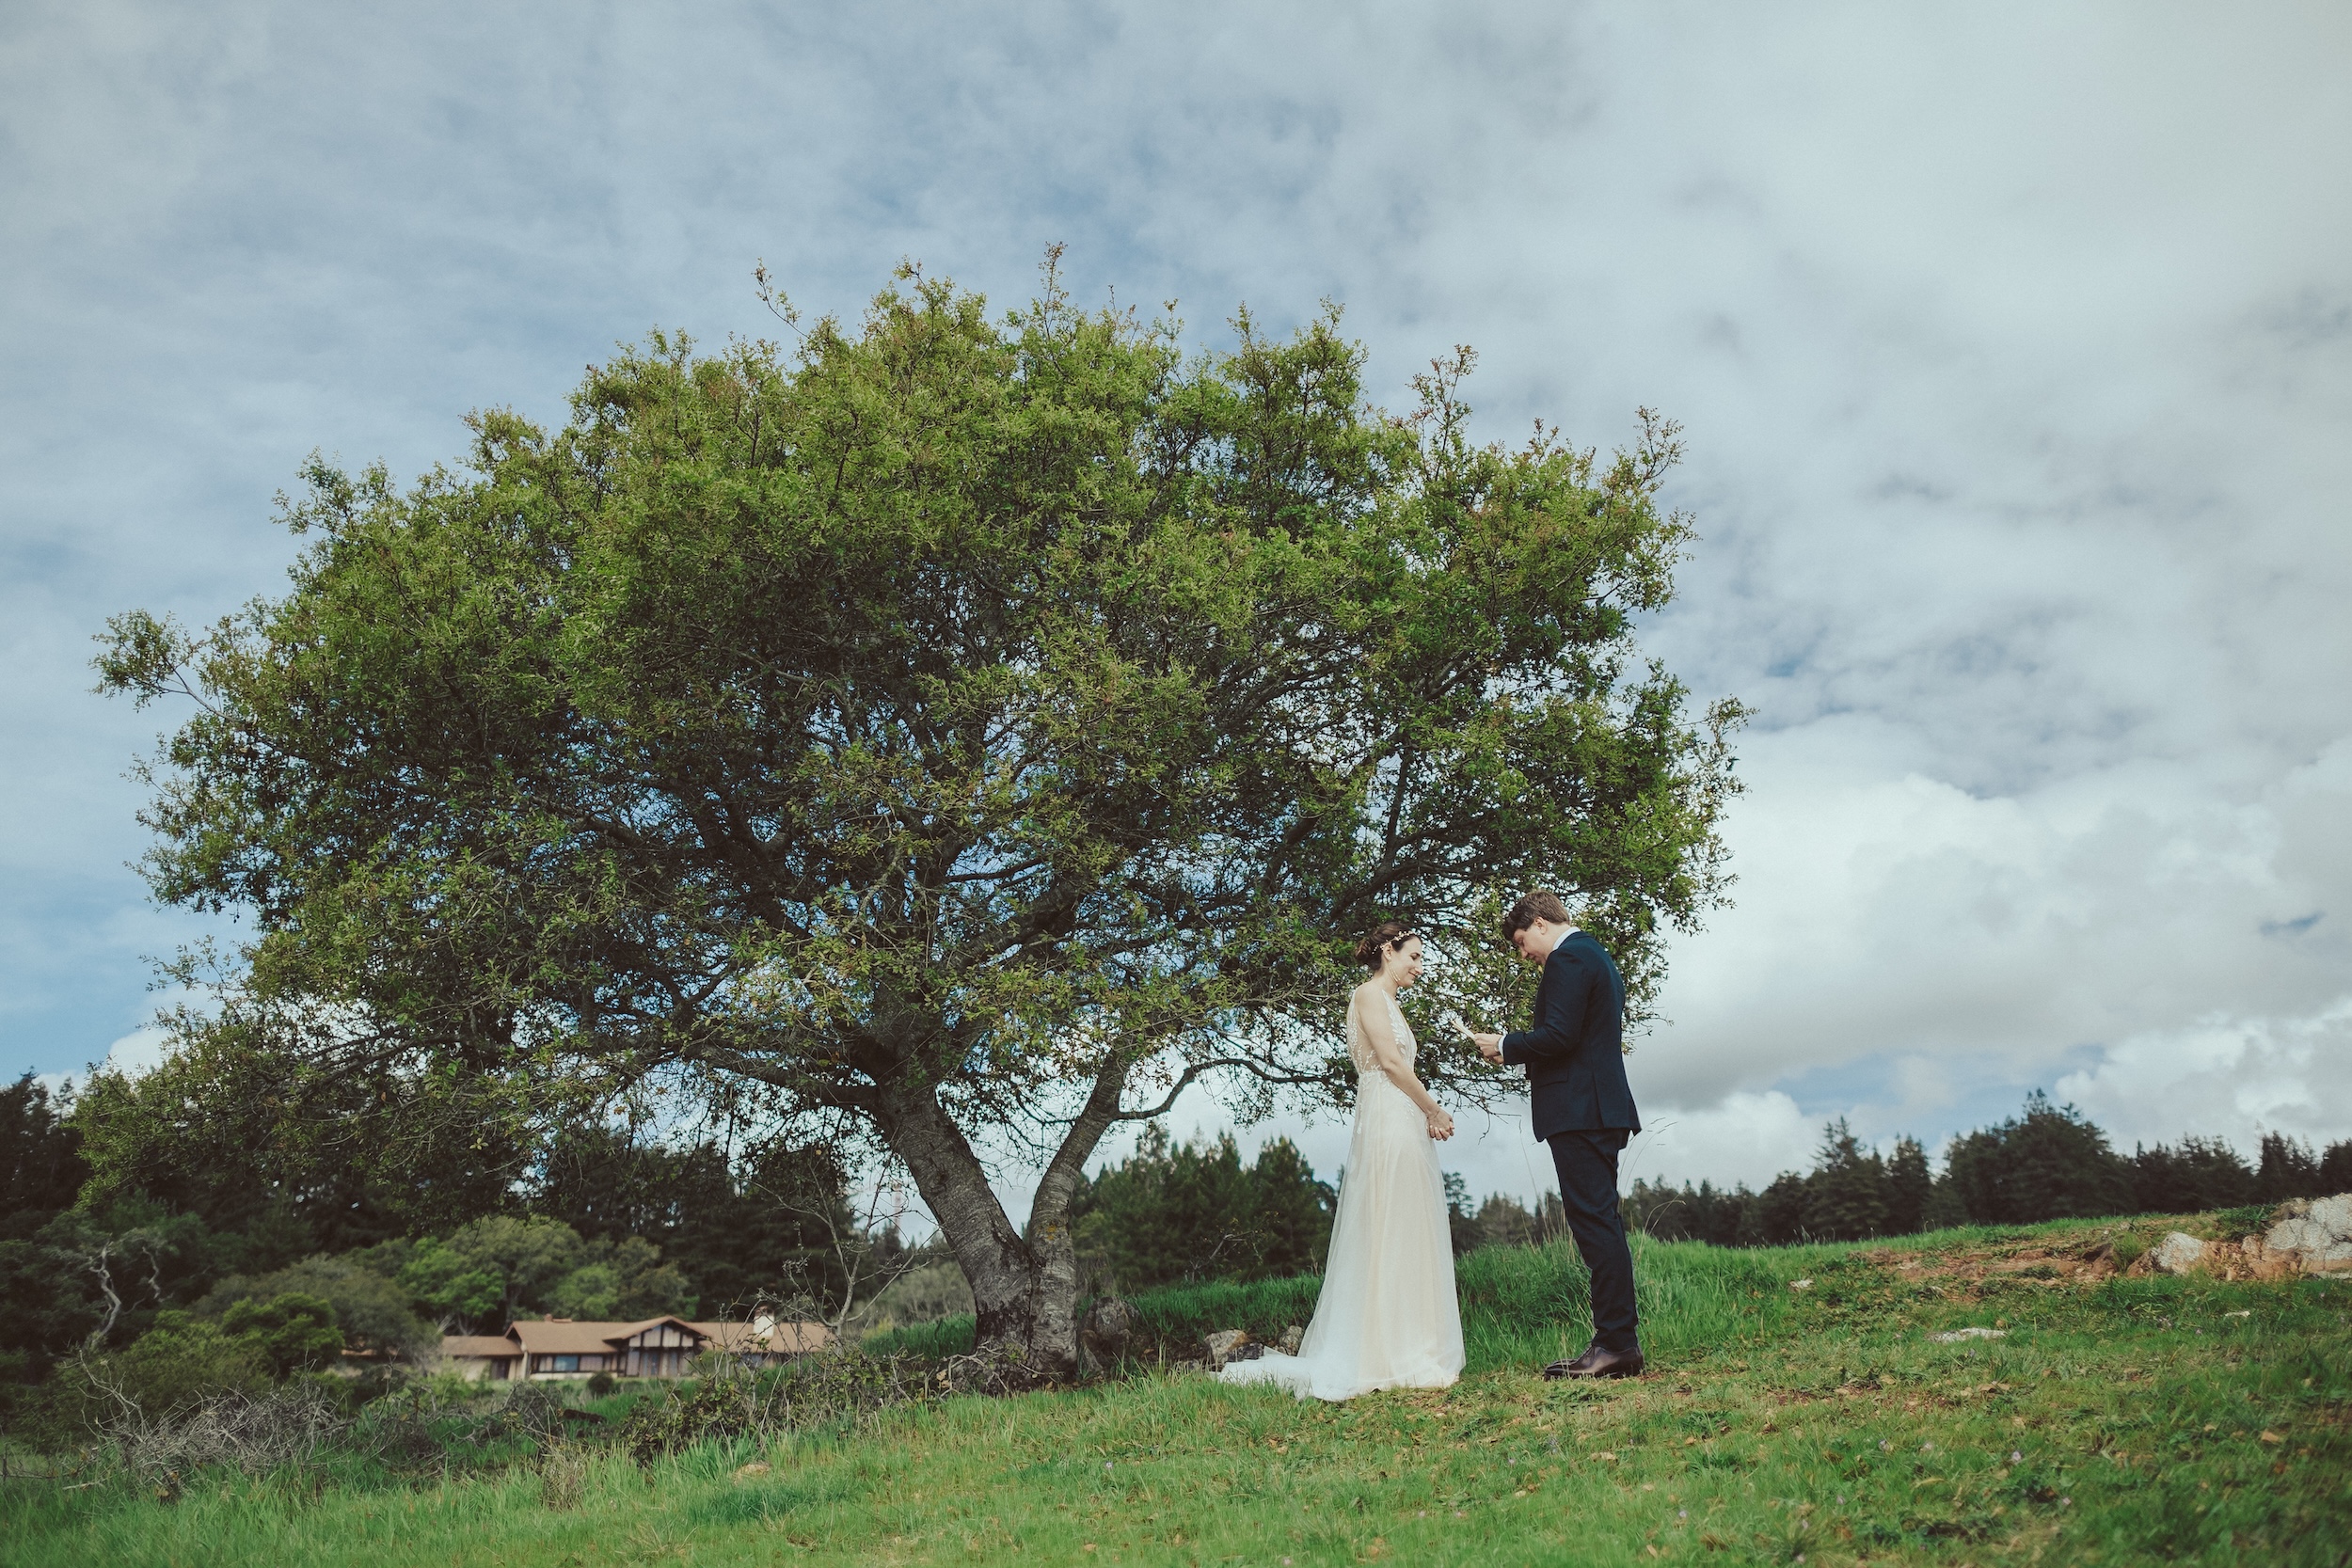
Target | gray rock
(2317,1230)
(1225,1345)
(1293,1338)
(2178,1252)
(1107,1328)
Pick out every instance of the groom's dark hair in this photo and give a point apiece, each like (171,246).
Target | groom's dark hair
(1542,904)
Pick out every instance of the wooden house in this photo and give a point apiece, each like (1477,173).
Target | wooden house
(658,1347)
(481,1355)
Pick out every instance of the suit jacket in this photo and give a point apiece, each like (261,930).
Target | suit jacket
(1575,1050)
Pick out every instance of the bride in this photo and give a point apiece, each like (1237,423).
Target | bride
(1387,1317)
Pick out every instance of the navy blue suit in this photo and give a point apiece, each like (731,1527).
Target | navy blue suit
(1575,1050)
(1584,1108)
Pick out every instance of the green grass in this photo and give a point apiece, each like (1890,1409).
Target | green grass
(1519,1305)
(2131,1420)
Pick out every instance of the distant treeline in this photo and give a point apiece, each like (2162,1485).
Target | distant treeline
(2047,1163)
(1186,1212)
(603,1226)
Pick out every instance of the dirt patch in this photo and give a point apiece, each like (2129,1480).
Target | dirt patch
(2040,1264)
(2082,1261)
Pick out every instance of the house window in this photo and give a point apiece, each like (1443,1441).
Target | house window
(563,1363)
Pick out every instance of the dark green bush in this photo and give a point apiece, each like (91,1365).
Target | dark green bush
(293,1332)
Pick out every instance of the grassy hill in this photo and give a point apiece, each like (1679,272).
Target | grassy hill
(2116,1419)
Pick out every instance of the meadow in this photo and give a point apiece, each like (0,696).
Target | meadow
(2117,1419)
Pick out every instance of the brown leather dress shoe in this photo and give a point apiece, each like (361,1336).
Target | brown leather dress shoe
(1604,1363)
(1572,1369)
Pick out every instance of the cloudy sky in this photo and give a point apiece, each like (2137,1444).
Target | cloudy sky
(2013,345)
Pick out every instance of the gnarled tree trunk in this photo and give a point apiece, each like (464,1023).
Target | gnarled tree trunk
(1025,1289)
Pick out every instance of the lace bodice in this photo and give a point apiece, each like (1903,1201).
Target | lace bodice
(1360,1044)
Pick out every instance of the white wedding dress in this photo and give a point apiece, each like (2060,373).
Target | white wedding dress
(1387,1317)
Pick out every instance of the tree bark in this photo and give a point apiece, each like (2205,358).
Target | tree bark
(1024,1289)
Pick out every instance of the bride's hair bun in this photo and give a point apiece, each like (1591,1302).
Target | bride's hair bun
(1377,941)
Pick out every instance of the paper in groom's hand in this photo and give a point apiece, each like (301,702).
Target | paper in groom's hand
(1489,1046)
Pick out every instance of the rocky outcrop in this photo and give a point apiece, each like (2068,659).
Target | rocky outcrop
(2306,1236)
(2257,1260)
(2316,1231)
(1231,1344)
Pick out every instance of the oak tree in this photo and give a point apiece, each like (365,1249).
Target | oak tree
(962,732)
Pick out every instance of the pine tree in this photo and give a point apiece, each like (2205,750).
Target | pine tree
(1776,1215)
(41,1162)
(2188,1178)
(1174,1212)
(1908,1188)
(2335,1168)
(2288,1170)
(2049,1163)
(1846,1196)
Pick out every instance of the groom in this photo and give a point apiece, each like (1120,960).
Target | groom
(1575,1062)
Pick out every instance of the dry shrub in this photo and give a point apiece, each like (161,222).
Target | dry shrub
(535,1410)
(253,1435)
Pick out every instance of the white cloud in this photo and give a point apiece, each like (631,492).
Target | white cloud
(140,1051)
(2234,1078)
(1745,1136)
(1898,909)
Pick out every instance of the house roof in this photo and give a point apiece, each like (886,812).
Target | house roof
(561,1336)
(479,1346)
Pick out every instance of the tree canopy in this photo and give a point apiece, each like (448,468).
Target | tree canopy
(957,733)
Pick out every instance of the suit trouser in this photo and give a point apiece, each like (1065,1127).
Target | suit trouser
(1587,1162)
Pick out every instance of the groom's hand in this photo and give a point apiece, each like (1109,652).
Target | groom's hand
(1489,1046)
